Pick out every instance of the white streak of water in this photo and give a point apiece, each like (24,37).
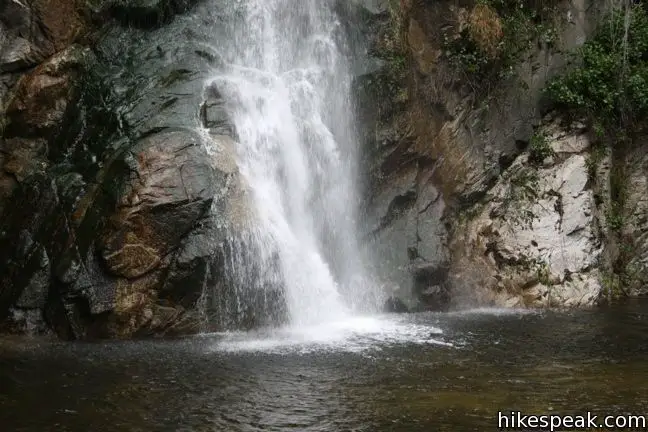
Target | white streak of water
(288,87)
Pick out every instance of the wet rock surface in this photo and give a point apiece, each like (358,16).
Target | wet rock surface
(41,98)
(395,305)
(113,205)
(31,31)
(172,189)
(146,13)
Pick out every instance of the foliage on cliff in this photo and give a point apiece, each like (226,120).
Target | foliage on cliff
(495,33)
(611,84)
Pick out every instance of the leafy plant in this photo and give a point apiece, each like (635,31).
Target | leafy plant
(539,148)
(543,273)
(594,158)
(614,216)
(612,284)
(611,84)
(523,190)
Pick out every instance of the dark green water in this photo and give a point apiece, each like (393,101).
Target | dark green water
(424,372)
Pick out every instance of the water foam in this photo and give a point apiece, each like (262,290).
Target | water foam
(355,334)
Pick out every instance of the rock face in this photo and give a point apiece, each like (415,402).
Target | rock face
(458,213)
(114,203)
(33,117)
(534,240)
(159,243)
(40,101)
(34,30)
(172,190)
(633,239)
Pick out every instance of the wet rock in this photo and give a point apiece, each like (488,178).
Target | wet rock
(17,55)
(25,222)
(35,293)
(214,115)
(435,298)
(42,97)
(173,188)
(162,242)
(195,264)
(22,44)
(408,234)
(24,157)
(166,90)
(147,13)
(395,305)
(430,286)
(35,30)
(118,208)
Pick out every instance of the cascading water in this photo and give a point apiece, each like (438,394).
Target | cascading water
(287,85)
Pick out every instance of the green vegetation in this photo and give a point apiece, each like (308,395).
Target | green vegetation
(596,154)
(543,273)
(615,213)
(496,33)
(391,82)
(614,217)
(539,148)
(396,16)
(611,84)
(612,285)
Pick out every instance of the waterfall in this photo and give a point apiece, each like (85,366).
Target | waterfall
(287,84)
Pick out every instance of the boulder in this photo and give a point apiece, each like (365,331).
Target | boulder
(33,31)
(172,189)
(41,99)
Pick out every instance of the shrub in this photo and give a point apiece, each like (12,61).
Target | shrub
(539,148)
(497,32)
(485,29)
(611,84)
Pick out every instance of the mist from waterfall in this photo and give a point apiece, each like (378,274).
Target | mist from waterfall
(287,84)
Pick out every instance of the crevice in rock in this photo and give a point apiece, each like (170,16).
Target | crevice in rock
(397,207)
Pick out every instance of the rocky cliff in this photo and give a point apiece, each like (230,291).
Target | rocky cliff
(113,202)
(481,190)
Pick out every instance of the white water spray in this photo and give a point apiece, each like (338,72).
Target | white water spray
(288,87)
